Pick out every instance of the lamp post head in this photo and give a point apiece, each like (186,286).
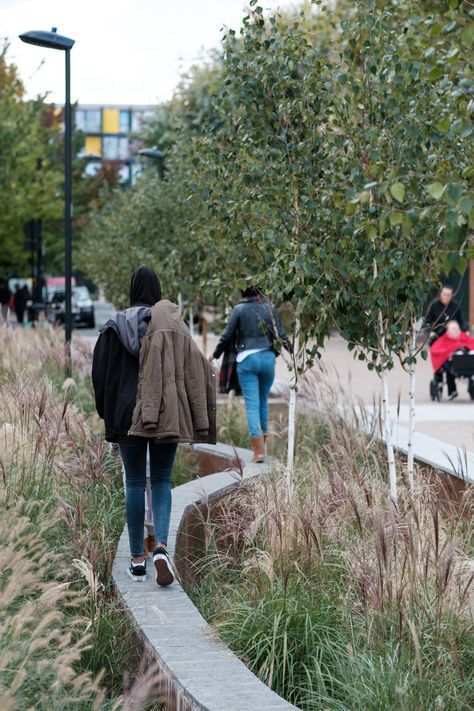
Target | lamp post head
(154,153)
(51,40)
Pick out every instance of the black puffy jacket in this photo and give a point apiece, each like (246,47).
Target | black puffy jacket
(115,380)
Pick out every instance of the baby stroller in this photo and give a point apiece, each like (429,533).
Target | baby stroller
(460,365)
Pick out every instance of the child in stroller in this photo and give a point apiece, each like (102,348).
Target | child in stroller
(452,356)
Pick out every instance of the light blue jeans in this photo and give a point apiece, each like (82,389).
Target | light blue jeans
(256,375)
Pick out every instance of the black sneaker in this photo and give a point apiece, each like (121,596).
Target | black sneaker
(453,395)
(137,571)
(162,563)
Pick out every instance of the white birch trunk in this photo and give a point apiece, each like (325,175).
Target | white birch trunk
(387,423)
(292,410)
(411,416)
(180,303)
(387,419)
(290,462)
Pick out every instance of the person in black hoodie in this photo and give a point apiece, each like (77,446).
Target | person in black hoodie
(442,310)
(115,369)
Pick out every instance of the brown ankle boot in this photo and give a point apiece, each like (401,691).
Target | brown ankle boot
(150,543)
(258,449)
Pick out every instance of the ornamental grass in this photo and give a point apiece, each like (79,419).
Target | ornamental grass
(331,595)
(65,640)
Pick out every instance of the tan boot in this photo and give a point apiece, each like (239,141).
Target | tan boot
(258,449)
(150,543)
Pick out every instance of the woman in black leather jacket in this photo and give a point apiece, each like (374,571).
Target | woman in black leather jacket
(255,325)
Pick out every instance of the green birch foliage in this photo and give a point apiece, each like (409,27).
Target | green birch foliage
(325,157)
(263,168)
(130,229)
(399,140)
(341,175)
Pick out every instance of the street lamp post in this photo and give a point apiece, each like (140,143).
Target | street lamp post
(52,40)
(155,154)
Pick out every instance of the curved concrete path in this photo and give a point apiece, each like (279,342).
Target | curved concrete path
(200,670)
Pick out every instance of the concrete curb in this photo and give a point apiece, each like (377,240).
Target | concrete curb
(202,674)
(437,454)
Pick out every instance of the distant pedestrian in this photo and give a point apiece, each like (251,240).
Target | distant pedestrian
(255,325)
(154,389)
(20,298)
(441,310)
(5,297)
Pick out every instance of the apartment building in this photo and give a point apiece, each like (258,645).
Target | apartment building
(110,133)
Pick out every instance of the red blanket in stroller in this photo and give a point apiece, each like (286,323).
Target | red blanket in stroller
(445,346)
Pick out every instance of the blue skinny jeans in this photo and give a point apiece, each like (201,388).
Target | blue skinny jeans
(256,375)
(133,451)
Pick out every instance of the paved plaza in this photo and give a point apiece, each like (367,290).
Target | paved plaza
(449,422)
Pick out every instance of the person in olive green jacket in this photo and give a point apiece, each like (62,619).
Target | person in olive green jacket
(176,395)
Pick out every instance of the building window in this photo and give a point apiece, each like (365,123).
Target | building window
(125,174)
(124,150)
(124,121)
(115,148)
(137,121)
(88,120)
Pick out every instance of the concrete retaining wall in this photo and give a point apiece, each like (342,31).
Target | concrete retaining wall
(200,672)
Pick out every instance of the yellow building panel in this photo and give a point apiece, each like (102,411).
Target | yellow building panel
(110,121)
(93,146)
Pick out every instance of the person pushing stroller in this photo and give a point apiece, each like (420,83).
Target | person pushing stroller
(443,352)
(442,310)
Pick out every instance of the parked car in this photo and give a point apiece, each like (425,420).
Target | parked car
(81,303)
(54,284)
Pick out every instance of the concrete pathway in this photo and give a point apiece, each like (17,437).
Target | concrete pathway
(444,428)
(450,422)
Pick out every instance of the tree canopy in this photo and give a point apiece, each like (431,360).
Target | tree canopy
(324,154)
(30,180)
(32,176)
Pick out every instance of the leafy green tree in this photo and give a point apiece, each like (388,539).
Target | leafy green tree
(263,172)
(32,176)
(164,223)
(27,140)
(399,138)
(347,174)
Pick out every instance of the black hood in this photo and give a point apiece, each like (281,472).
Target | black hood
(145,287)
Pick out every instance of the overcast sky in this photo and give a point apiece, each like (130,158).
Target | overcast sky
(126,51)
